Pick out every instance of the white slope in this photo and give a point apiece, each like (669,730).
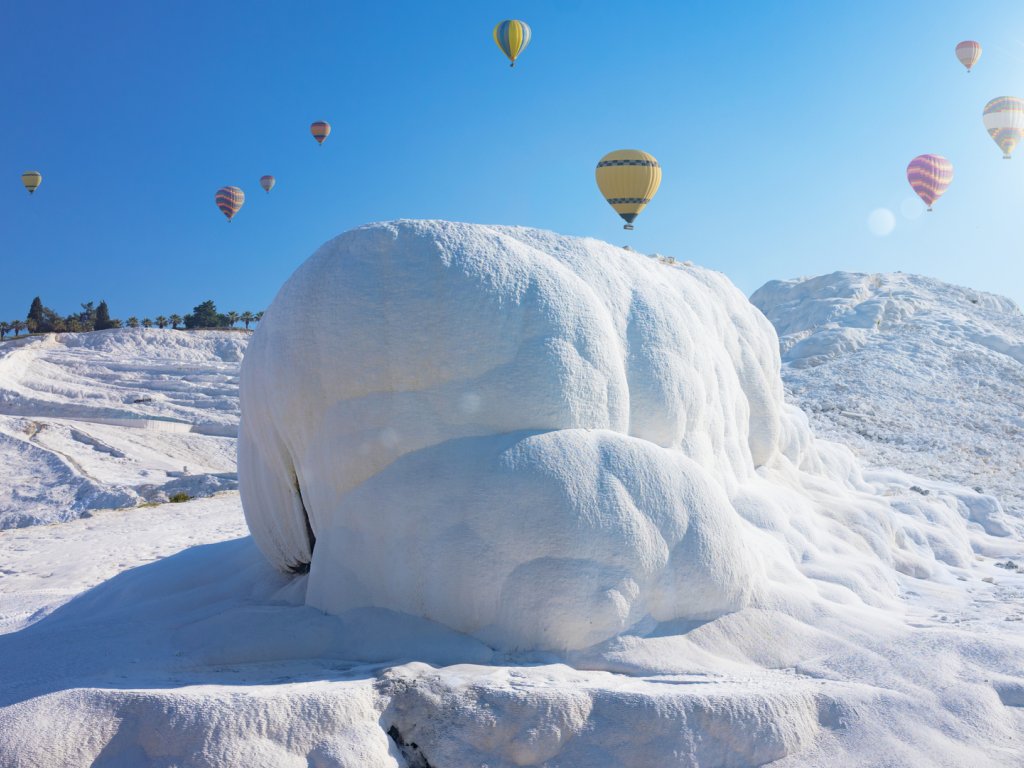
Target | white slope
(910,372)
(190,650)
(878,628)
(114,419)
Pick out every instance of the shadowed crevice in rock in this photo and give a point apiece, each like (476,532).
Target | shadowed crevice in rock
(410,751)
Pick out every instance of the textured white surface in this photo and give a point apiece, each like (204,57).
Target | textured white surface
(877,628)
(910,372)
(115,418)
(545,442)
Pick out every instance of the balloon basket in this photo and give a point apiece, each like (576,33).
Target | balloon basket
(627,226)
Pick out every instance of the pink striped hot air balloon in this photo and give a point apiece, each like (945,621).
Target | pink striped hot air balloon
(229,200)
(930,176)
(968,52)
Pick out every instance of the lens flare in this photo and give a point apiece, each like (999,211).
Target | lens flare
(881,222)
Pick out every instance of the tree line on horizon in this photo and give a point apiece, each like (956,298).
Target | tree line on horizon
(96,317)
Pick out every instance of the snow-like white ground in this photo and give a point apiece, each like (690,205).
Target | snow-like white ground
(162,637)
(910,372)
(115,419)
(883,629)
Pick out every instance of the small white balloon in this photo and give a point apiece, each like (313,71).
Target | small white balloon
(881,222)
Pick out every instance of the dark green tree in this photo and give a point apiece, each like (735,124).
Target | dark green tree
(103,321)
(35,315)
(42,319)
(204,316)
(87,318)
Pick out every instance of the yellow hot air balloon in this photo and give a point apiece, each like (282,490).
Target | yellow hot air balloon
(512,36)
(628,179)
(31,180)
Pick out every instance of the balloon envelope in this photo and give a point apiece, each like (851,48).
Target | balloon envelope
(512,36)
(968,52)
(1004,121)
(229,200)
(267,182)
(628,179)
(930,175)
(31,180)
(320,130)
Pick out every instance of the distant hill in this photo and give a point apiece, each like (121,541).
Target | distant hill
(909,371)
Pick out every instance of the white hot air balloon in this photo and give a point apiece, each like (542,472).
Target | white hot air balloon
(1004,121)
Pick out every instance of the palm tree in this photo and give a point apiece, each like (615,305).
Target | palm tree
(232,318)
(175,320)
(247,317)
(161,321)
(4,328)
(147,323)
(19,326)
(133,322)
(259,316)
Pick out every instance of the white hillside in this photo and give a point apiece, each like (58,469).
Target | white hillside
(558,514)
(909,371)
(115,418)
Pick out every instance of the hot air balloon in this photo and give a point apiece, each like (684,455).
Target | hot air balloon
(320,130)
(512,36)
(31,180)
(230,200)
(628,179)
(1004,121)
(267,182)
(968,52)
(930,176)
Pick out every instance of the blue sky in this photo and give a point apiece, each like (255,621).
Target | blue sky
(780,128)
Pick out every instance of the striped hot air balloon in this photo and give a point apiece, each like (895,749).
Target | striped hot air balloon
(628,179)
(320,130)
(512,36)
(930,176)
(267,182)
(230,200)
(968,52)
(1004,121)
(31,180)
